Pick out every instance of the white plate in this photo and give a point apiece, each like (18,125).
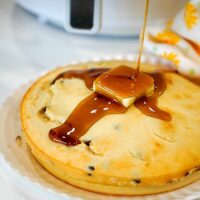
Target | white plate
(29,176)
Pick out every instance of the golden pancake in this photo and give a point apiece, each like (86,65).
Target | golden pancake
(121,154)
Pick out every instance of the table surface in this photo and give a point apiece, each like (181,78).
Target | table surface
(28,47)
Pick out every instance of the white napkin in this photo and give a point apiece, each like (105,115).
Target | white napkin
(179,40)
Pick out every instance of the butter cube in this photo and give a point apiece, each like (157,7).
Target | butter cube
(122,85)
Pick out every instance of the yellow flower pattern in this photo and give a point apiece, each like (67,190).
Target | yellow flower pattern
(190,15)
(167,37)
(172,57)
(178,40)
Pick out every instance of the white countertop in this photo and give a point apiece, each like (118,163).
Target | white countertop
(28,47)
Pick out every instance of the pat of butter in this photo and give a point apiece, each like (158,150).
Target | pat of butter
(122,85)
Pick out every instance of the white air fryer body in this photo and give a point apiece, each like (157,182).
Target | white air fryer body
(110,17)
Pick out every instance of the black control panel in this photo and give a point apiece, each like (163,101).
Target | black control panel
(82,14)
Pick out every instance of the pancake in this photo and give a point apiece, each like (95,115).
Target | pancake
(121,154)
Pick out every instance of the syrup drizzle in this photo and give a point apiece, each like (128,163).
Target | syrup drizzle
(148,105)
(96,106)
(142,37)
(87,113)
(88,75)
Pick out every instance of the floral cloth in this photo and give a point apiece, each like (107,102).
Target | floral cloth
(179,40)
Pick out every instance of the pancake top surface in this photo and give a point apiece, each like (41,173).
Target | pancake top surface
(125,146)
